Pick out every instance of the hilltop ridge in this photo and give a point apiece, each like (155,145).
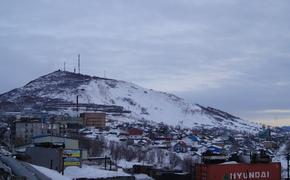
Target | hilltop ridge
(62,87)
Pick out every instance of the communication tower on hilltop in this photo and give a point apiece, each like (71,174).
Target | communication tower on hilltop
(79,63)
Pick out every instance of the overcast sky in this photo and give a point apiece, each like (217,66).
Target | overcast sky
(230,54)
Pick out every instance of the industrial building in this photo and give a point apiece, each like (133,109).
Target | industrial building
(97,120)
(48,151)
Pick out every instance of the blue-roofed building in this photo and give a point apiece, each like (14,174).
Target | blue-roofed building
(215,149)
(191,141)
(180,147)
(194,138)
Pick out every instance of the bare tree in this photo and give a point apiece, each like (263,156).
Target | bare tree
(160,156)
(174,160)
(187,163)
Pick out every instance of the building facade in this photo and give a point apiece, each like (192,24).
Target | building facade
(26,128)
(97,120)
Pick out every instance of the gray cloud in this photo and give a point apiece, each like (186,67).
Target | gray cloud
(230,54)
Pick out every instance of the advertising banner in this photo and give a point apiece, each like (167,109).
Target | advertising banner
(71,157)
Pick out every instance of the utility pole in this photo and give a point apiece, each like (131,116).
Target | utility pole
(78,103)
(288,166)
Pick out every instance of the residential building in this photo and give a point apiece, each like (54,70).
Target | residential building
(25,129)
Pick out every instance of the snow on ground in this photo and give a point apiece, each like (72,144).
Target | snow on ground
(51,173)
(129,164)
(280,157)
(87,172)
(230,162)
(142,177)
(154,105)
(91,172)
(144,104)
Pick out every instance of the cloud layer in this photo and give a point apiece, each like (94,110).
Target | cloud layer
(230,54)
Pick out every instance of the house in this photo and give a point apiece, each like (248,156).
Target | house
(218,142)
(164,138)
(135,133)
(239,138)
(143,142)
(123,133)
(215,149)
(213,155)
(162,144)
(192,140)
(180,147)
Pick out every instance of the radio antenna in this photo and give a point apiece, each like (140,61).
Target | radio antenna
(79,63)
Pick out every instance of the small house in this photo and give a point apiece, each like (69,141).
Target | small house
(180,147)
(215,149)
(135,133)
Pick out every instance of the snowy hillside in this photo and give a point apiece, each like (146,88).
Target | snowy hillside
(144,104)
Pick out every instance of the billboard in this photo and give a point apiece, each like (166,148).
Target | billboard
(268,171)
(71,157)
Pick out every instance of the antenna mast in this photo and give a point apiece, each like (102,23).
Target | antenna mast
(79,63)
(64,66)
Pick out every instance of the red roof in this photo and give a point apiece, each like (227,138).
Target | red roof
(135,132)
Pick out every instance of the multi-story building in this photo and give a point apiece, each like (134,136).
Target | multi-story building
(27,128)
(97,120)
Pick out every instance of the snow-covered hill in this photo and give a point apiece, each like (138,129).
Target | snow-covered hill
(144,104)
